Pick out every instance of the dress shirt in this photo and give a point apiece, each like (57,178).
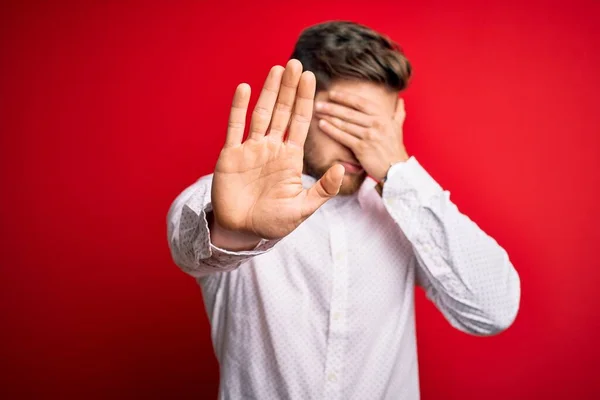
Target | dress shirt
(328,311)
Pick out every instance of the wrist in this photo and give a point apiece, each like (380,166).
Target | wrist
(380,182)
(230,240)
(389,166)
(402,157)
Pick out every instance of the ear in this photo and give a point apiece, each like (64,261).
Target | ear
(400,113)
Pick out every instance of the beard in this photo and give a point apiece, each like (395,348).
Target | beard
(350,183)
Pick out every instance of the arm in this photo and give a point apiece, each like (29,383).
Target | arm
(256,190)
(198,245)
(464,271)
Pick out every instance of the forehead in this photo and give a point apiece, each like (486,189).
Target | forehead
(378,94)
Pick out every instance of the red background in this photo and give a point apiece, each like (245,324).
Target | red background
(108,110)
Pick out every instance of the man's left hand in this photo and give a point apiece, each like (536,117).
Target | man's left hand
(375,139)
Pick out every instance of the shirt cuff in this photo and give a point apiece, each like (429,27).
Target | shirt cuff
(409,178)
(222,258)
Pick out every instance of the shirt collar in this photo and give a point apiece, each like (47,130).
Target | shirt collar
(367,188)
(308,181)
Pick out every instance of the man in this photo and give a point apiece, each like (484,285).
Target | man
(310,236)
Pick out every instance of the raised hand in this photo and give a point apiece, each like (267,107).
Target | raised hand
(257,184)
(375,138)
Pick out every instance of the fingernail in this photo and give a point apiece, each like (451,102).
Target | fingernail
(319,106)
(332,93)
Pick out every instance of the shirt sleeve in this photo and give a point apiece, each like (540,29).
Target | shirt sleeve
(189,236)
(464,271)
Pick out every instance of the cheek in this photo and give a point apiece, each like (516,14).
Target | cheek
(321,145)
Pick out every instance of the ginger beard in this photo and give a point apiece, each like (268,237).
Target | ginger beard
(321,153)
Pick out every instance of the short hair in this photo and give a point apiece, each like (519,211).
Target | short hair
(347,50)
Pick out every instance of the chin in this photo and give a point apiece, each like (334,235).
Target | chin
(351,183)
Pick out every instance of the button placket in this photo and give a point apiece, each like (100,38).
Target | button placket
(337,308)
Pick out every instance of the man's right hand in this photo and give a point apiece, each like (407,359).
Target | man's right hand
(257,187)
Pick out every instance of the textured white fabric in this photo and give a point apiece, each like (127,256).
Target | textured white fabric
(328,311)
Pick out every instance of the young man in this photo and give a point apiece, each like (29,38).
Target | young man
(310,236)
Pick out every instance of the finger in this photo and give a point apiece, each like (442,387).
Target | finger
(325,188)
(354,101)
(345,113)
(303,109)
(261,116)
(400,113)
(348,127)
(285,100)
(237,115)
(337,134)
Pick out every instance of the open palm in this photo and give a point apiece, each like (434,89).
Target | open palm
(257,185)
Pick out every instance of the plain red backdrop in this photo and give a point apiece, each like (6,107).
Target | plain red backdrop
(109,109)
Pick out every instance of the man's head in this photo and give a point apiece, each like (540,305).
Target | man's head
(348,57)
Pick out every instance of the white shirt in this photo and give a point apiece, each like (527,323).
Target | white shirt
(328,311)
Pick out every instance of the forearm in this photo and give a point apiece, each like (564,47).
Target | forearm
(463,270)
(192,243)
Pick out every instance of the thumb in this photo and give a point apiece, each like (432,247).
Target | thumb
(325,188)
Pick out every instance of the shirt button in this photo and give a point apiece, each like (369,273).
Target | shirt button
(390,202)
(336,316)
(339,256)
(332,378)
